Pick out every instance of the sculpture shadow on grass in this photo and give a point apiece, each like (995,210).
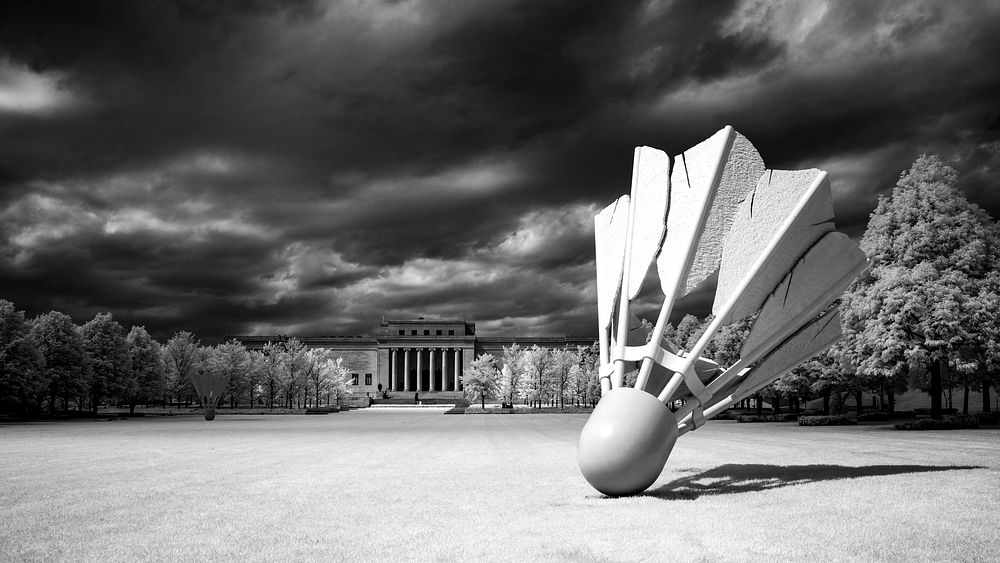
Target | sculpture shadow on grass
(732,479)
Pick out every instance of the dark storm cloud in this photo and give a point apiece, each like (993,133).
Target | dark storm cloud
(305,167)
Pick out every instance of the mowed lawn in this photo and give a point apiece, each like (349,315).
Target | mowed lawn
(367,485)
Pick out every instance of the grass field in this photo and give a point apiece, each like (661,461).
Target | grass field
(366,485)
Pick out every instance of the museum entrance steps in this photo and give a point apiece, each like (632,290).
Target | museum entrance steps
(427,398)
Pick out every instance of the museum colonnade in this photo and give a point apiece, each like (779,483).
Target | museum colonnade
(425,369)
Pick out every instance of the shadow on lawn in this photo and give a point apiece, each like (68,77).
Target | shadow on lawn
(735,478)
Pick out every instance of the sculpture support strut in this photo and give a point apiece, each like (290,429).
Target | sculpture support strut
(768,234)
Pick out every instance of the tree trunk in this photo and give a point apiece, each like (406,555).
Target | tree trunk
(482,401)
(859,402)
(935,391)
(826,402)
(776,407)
(965,398)
(986,394)
(760,405)
(948,381)
(891,399)
(131,407)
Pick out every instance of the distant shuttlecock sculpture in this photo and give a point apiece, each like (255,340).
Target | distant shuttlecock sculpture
(767,234)
(209,385)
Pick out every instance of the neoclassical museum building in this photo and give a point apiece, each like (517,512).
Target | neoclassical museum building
(426,356)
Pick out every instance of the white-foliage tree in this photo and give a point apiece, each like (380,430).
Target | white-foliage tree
(540,365)
(564,363)
(271,367)
(512,373)
(182,360)
(324,370)
(255,377)
(586,383)
(928,303)
(336,375)
(482,379)
(296,362)
(231,361)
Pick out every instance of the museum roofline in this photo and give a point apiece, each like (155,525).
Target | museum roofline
(424,322)
(534,338)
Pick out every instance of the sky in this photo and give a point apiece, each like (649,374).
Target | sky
(308,168)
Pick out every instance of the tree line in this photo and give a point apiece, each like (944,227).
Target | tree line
(535,376)
(49,364)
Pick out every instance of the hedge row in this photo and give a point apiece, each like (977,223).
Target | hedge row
(767,418)
(927,412)
(547,410)
(827,420)
(946,423)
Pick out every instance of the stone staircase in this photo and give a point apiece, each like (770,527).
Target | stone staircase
(426,398)
(404,400)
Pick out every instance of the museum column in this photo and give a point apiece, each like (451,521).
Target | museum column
(430,360)
(457,367)
(406,369)
(420,370)
(444,369)
(392,370)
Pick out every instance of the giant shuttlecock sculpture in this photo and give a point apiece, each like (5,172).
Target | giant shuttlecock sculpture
(769,236)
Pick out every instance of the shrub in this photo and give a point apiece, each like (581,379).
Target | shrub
(904,414)
(827,420)
(767,418)
(946,423)
(730,414)
(988,418)
(927,412)
(873,416)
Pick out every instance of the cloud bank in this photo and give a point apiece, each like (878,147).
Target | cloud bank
(307,167)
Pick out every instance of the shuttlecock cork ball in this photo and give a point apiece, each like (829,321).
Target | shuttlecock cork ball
(626,442)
